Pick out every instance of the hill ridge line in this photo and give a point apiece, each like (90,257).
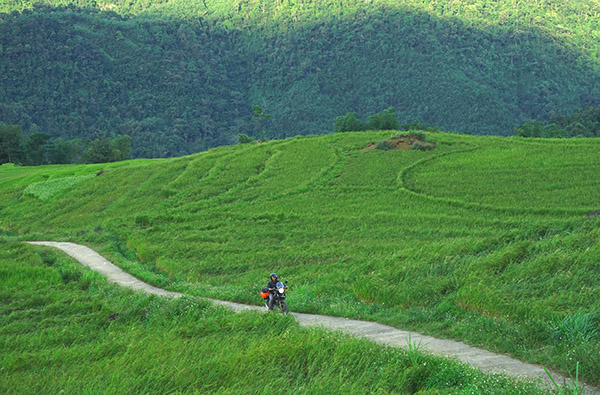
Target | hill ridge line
(484,360)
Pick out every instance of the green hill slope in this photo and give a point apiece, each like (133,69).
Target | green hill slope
(180,76)
(65,329)
(485,240)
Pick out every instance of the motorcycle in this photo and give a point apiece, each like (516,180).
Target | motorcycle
(278,297)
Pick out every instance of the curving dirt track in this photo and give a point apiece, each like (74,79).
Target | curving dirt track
(382,334)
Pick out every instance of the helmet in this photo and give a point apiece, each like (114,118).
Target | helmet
(273,275)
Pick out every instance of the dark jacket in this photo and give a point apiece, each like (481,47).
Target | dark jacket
(272,285)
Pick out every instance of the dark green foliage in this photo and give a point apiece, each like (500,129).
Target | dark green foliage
(531,129)
(261,118)
(11,144)
(41,149)
(419,135)
(584,122)
(105,150)
(576,129)
(384,145)
(421,147)
(541,129)
(61,151)
(171,91)
(142,220)
(180,76)
(244,139)
(385,120)
(416,125)
(347,123)
(35,149)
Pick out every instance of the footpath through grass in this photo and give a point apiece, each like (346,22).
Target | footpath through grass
(483,240)
(64,329)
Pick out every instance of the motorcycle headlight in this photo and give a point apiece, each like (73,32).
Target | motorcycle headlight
(281,290)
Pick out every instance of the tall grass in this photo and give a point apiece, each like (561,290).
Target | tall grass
(483,239)
(577,328)
(64,329)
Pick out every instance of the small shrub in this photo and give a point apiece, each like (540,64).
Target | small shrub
(384,145)
(421,147)
(419,135)
(577,328)
(244,138)
(142,220)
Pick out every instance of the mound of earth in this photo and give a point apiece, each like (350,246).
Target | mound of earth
(403,143)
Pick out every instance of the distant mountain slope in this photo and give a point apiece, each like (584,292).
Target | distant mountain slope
(81,74)
(180,76)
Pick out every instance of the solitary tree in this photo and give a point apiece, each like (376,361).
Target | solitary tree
(11,144)
(261,117)
(61,151)
(35,149)
(105,150)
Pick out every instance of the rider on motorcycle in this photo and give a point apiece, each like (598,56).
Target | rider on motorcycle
(272,286)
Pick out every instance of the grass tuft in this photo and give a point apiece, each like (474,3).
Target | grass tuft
(577,328)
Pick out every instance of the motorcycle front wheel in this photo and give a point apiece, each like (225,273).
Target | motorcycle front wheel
(284,307)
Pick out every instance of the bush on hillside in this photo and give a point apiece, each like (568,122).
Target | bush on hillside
(385,120)
(244,138)
(105,150)
(421,147)
(347,123)
(384,145)
(417,125)
(419,135)
(11,144)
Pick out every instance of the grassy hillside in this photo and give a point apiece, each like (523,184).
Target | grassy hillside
(484,240)
(181,76)
(64,329)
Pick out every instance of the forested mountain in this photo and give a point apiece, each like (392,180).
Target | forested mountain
(181,76)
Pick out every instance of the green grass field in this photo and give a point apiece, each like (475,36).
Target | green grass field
(483,240)
(64,329)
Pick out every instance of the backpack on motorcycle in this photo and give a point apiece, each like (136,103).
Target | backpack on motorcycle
(264,293)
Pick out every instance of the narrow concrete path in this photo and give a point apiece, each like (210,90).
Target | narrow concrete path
(379,333)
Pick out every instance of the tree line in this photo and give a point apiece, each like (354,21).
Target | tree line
(584,122)
(42,149)
(384,120)
(181,77)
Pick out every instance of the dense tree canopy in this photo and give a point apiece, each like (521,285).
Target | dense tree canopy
(41,149)
(181,76)
(384,120)
(584,122)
